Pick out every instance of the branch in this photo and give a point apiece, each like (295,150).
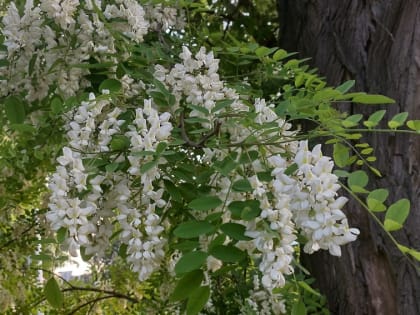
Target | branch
(203,140)
(109,292)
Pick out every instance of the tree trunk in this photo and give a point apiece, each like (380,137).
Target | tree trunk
(376,43)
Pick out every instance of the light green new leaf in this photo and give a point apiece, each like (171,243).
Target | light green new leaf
(205,203)
(374,119)
(375,200)
(357,181)
(346,86)
(398,120)
(191,229)
(414,125)
(190,261)
(53,293)
(396,215)
(280,54)
(187,285)
(372,99)
(197,300)
(352,121)
(341,154)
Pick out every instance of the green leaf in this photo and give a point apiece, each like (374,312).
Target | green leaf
(221,104)
(376,198)
(352,121)
(372,99)
(173,191)
(398,120)
(299,308)
(197,300)
(341,154)
(374,119)
(53,293)
(148,166)
(291,169)
(308,288)
(245,210)
(414,125)
(119,143)
(186,246)
(263,51)
(112,167)
(161,147)
(112,85)
(357,181)
(15,111)
(187,285)
(235,231)
(61,235)
(190,261)
(396,215)
(24,128)
(191,229)
(280,54)
(56,105)
(346,86)
(242,185)
(205,203)
(227,253)
(200,109)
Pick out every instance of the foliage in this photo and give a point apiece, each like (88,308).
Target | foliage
(184,162)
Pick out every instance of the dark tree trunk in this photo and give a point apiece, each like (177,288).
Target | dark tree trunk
(376,43)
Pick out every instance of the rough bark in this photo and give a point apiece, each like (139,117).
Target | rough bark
(376,43)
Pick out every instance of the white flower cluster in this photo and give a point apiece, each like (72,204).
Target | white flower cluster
(54,57)
(196,81)
(86,208)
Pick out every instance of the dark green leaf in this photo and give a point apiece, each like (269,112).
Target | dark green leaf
(227,253)
(191,229)
(235,231)
(242,185)
(190,261)
(197,300)
(15,111)
(187,285)
(205,203)
(119,143)
(112,85)
(173,191)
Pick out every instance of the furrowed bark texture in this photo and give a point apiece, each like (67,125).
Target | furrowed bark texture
(376,43)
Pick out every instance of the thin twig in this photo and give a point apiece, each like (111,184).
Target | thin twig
(203,140)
